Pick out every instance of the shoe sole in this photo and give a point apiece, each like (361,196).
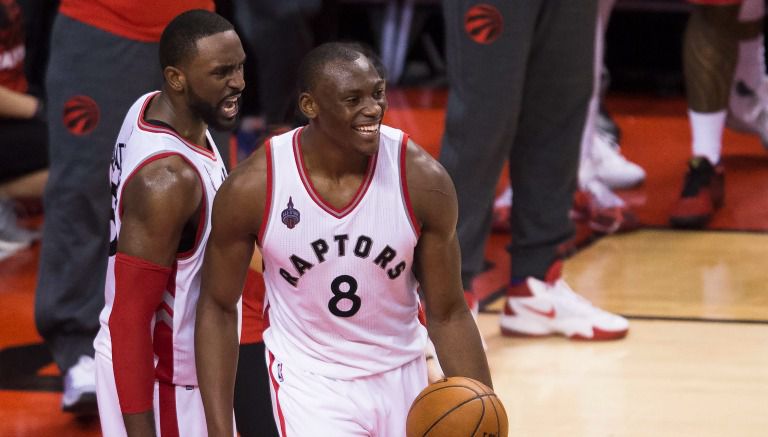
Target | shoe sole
(597,334)
(85,406)
(690,222)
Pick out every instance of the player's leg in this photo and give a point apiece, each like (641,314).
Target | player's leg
(544,160)
(487,47)
(110,415)
(306,404)
(710,51)
(396,390)
(602,165)
(184,405)
(544,164)
(748,105)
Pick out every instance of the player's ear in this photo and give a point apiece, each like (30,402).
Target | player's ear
(175,78)
(307,105)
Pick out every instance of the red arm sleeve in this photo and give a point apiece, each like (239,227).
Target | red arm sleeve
(139,287)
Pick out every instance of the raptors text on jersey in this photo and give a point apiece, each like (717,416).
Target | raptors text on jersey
(342,299)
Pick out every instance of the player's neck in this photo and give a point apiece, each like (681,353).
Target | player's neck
(322,155)
(167,109)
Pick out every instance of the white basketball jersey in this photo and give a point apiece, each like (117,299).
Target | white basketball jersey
(341,295)
(138,144)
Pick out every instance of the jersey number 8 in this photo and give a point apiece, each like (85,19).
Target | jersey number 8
(339,295)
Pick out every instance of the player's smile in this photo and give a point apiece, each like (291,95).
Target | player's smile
(368,130)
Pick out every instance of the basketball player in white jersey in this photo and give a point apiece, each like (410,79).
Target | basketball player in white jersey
(165,172)
(351,218)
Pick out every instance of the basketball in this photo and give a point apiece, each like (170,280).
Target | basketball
(457,407)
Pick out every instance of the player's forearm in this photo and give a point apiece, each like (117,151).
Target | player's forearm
(14,104)
(216,348)
(459,347)
(140,424)
(139,286)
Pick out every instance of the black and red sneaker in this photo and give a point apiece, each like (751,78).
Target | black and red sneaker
(703,194)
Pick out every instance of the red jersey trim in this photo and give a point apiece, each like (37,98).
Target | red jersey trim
(404,186)
(268,198)
(163,339)
(202,221)
(276,388)
(169,424)
(307,181)
(147,127)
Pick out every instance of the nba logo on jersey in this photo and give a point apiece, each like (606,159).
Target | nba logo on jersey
(290,215)
(280,372)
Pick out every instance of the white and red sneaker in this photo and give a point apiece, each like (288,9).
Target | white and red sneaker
(538,308)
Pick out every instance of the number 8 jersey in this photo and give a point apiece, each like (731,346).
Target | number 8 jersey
(341,295)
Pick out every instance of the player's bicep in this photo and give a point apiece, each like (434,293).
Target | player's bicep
(157,203)
(437,269)
(438,258)
(230,248)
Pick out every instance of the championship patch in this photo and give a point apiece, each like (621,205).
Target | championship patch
(483,23)
(290,215)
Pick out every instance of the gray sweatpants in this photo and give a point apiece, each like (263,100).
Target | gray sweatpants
(522,97)
(113,72)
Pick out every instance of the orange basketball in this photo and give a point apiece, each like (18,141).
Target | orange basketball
(457,407)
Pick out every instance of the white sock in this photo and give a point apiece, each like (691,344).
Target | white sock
(707,132)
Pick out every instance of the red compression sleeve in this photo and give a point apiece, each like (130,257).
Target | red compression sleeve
(139,287)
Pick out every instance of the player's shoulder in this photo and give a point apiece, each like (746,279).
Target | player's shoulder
(168,189)
(171,174)
(423,171)
(249,177)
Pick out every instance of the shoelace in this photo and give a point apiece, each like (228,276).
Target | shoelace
(562,289)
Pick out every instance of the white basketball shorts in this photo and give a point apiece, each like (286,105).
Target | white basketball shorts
(307,404)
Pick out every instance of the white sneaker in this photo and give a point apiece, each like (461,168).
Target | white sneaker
(611,167)
(552,307)
(13,237)
(602,210)
(602,195)
(79,395)
(748,110)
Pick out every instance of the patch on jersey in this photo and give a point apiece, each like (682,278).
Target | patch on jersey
(280,372)
(81,115)
(483,23)
(290,215)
